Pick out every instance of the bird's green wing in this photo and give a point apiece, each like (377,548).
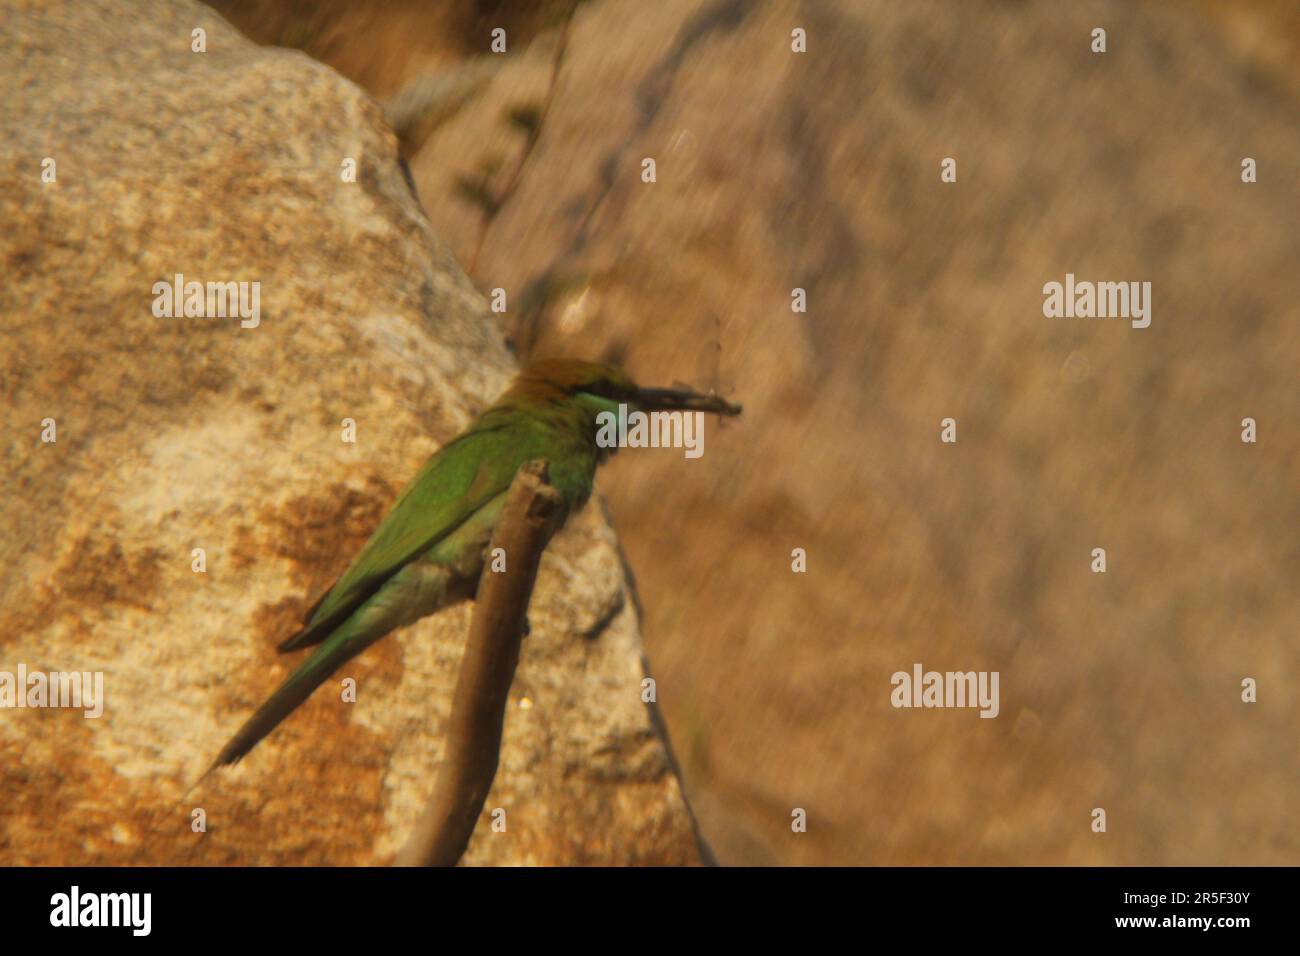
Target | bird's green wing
(458,480)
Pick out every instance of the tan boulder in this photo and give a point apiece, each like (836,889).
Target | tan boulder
(222,434)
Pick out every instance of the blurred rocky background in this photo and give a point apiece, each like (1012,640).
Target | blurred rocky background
(821,170)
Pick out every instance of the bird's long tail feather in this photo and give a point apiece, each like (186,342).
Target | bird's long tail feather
(449,573)
(344,644)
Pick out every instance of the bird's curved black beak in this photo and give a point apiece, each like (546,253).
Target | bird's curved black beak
(681,399)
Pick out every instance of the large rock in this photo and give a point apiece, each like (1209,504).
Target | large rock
(182,433)
(822,171)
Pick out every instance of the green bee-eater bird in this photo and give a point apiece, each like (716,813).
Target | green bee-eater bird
(428,553)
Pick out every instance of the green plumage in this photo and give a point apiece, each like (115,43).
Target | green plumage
(428,552)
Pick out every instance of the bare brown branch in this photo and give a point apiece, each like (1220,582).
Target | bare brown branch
(531,514)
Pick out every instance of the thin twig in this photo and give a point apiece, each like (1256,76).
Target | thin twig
(531,514)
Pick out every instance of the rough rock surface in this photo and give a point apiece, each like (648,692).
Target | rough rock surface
(183,433)
(822,171)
